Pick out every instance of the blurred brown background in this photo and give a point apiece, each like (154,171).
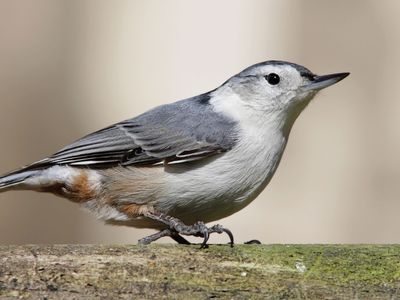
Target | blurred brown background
(70,67)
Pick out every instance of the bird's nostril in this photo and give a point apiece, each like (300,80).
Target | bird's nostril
(310,76)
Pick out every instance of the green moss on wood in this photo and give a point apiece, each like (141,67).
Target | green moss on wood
(179,272)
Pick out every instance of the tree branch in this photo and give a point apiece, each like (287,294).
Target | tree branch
(180,272)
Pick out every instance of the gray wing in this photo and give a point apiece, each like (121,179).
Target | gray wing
(179,132)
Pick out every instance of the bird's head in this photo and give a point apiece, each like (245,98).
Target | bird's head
(274,88)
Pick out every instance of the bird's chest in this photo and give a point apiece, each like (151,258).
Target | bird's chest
(253,163)
(229,182)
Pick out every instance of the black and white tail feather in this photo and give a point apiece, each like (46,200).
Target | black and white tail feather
(16,179)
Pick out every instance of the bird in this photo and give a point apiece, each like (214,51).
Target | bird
(181,165)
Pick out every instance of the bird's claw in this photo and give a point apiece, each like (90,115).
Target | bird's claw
(201,230)
(177,227)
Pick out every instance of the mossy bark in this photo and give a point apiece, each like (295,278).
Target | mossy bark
(180,272)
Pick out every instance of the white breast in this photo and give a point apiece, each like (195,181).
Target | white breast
(227,182)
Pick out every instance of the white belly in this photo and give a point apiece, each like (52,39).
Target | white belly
(223,184)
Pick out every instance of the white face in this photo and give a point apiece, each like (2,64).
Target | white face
(273,87)
(272,91)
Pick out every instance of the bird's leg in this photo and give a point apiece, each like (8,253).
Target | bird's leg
(166,232)
(179,239)
(177,227)
(151,238)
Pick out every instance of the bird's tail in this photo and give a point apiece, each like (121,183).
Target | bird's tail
(16,179)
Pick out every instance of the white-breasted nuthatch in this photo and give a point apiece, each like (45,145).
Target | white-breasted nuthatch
(183,164)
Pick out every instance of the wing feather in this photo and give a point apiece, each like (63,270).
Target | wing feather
(183,131)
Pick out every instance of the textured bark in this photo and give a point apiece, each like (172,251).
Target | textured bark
(180,272)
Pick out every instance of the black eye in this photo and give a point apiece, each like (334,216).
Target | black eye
(272,78)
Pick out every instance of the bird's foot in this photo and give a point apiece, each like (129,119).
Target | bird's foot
(166,232)
(201,230)
(177,227)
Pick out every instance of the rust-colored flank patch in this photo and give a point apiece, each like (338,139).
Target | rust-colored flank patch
(81,190)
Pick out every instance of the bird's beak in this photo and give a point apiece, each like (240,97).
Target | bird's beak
(321,82)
